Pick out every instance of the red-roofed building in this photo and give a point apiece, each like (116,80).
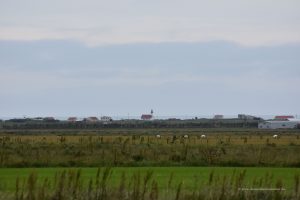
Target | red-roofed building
(284,117)
(146,117)
(72,119)
(91,119)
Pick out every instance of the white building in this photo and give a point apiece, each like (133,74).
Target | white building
(278,124)
(218,117)
(106,119)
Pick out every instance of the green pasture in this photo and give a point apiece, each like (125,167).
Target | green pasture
(192,177)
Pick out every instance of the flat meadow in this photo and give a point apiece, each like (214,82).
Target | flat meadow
(150,164)
(150,149)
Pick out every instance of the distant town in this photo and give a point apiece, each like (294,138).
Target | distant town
(218,120)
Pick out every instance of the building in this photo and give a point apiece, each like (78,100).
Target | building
(248,117)
(146,117)
(283,117)
(91,119)
(218,117)
(38,119)
(106,119)
(278,124)
(49,119)
(243,116)
(72,119)
(173,119)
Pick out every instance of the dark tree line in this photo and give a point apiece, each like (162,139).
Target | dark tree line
(130,124)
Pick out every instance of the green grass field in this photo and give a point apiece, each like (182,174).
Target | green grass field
(192,177)
(149,167)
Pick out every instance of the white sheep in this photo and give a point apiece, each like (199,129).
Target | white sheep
(203,136)
(186,136)
(158,136)
(275,136)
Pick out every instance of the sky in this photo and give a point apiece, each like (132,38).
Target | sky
(126,57)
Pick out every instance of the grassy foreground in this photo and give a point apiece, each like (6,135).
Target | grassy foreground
(65,167)
(155,183)
(190,177)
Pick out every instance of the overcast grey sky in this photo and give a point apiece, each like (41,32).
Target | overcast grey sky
(250,22)
(193,57)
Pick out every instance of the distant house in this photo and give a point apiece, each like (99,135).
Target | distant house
(146,117)
(245,117)
(49,119)
(38,118)
(173,119)
(218,117)
(283,117)
(72,119)
(106,119)
(248,117)
(91,119)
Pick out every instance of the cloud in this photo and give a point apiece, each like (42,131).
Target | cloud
(95,23)
(61,77)
(133,33)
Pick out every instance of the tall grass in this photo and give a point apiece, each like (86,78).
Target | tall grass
(69,185)
(147,150)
